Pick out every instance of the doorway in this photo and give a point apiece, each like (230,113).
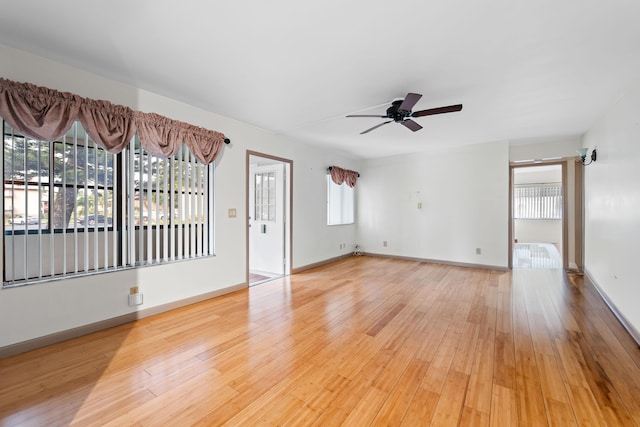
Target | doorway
(538,226)
(269,217)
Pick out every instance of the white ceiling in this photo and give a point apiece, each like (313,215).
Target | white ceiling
(524,70)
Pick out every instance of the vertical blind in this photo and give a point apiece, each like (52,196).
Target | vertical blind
(73,208)
(340,203)
(62,204)
(537,201)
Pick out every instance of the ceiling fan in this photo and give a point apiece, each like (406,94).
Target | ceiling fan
(400,111)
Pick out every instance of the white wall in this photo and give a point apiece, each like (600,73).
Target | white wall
(543,174)
(612,205)
(538,231)
(549,150)
(464,196)
(33,311)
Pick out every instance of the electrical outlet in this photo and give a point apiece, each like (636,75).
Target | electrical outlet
(133,290)
(478,251)
(135,299)
(232,213)
(384,243)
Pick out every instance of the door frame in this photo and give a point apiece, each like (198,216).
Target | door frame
(565,206)
(579,213)
(288,227)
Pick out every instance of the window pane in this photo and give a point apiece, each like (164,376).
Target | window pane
(537,201)
(83,175)
(37,159)
(340,203)
(265,196)
(26,167)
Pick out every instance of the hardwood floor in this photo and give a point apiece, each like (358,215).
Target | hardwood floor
(364,341)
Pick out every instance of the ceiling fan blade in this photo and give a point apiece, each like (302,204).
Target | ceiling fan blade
(375,127)
(439,110)
(367,115)
(411,125)
(409,101)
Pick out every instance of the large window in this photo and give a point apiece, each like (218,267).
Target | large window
(340,203)
(70,207)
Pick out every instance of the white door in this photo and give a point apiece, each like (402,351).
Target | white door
(266,220)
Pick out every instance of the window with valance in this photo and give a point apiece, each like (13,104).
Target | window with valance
(47,114)
(341,195)
(90,186)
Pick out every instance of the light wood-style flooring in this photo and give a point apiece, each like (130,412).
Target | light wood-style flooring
(364,341)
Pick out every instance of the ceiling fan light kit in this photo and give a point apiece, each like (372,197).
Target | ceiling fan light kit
(400,112)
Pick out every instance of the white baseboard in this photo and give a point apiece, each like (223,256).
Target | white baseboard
(436,261)
(297,270)
(68,334)
(623,320)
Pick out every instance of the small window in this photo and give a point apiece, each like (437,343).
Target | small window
(537,201)
(340,203)
(265,197)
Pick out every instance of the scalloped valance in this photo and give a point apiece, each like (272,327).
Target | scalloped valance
(340,175)
(47,114)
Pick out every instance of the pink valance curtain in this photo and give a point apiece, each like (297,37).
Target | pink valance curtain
(39,112)
(47,114)
(109,125)
(163,137)
(159,135)
(339,175)
(205,144)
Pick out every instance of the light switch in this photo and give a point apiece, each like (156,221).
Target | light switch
(232,213)
(419,205)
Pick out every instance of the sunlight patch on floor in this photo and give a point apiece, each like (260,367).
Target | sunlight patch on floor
(536,255)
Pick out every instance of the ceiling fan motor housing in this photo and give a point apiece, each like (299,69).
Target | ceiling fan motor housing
(395,113)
